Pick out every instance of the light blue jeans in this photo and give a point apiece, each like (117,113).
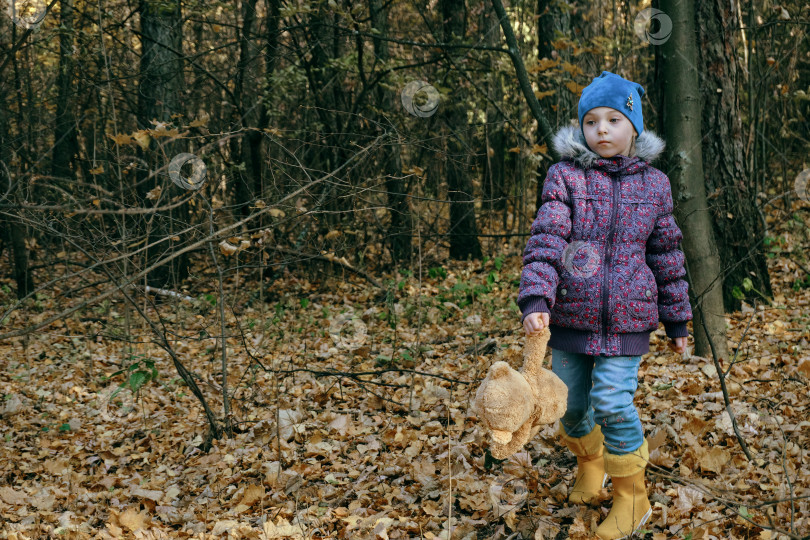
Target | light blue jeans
(600,390)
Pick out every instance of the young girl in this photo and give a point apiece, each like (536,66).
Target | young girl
(601,268)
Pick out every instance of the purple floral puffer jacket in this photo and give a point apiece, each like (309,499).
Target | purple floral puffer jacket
(603,257)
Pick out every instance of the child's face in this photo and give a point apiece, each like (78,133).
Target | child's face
(608,125)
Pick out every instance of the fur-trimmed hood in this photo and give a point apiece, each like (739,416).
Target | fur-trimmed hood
(570,144)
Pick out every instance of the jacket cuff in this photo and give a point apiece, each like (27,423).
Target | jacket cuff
(533,304)
(676,329)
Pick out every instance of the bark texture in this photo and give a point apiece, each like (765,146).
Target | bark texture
(732,197)
(682,129)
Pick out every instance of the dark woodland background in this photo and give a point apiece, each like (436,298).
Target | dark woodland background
(273,97)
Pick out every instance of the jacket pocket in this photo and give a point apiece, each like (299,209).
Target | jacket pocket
(646,288)
(637,310)
(576,305)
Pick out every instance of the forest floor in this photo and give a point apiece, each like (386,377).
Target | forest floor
(319,450)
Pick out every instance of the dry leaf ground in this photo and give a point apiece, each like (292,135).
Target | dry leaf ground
(397,456)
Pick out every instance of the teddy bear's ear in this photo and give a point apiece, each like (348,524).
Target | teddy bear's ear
(499,369)
(501,437)
(552,400)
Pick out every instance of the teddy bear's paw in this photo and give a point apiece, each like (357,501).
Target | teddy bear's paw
(501,437)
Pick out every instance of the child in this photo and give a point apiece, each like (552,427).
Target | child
(601,267)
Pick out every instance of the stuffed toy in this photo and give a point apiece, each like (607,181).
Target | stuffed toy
(513,405)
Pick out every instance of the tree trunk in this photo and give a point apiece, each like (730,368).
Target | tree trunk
(22,276)
(463,227)
(494,154)
(12,230)
(271,60)
(160,83)
(197,100)
(399,230)
(553,18)
(682,129)
(161,69)
(737,223)
(245,117)
(66,144)
(327,144)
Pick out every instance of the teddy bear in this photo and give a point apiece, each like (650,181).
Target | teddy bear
(513,405)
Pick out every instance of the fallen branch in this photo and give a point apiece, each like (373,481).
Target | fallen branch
(343,263)
(347,374)
(721,375)
(355,374)
(730,504)
(166,292)
(185,374)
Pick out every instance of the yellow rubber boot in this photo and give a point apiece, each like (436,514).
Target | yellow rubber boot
(591,475)
(631,508)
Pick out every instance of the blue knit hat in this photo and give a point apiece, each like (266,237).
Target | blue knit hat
(611,90)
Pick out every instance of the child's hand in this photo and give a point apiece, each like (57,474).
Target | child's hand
(535,322)
(677,344)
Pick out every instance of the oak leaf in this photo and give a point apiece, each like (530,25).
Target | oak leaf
(134,520)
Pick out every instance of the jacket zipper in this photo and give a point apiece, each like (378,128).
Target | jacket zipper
(605,293)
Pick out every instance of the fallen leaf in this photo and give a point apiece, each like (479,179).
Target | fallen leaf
(134,520)
(657,439)
(151,494)
(713,459)
(283,529)
(44,500)
(12,496)
(252,495)
(221,527)
(688,498)
(172,493)
(340,423)
(12,406)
